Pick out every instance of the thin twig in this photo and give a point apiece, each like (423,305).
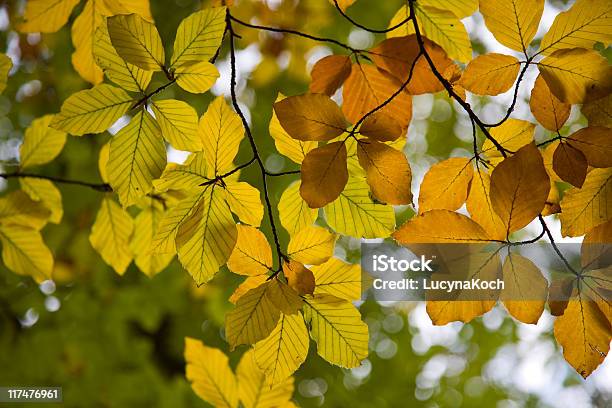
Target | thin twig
(146,97)
(555,247)
(104,187)
(371,30)
(281,256)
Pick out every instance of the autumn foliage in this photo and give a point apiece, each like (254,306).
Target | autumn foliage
(352,172)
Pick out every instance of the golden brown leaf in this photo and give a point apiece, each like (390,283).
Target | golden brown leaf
(570,164)
(382,127)
(546,107)
(300,278)
(329,73)
(445,186)
(324,174)
(490,74)
(440,226)
(525,290)
(596,144)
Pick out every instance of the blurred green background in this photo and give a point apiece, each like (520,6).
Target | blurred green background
(113,341)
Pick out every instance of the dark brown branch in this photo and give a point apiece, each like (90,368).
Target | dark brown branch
(229,173)
(555,247)
(146,97)
(247,128)
(282,173)
(294,32)
(371,30)
(104,187)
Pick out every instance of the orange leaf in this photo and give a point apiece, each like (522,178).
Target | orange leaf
(329,73)
(546,107)
(445,186)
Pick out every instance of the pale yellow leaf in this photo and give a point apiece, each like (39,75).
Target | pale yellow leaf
(25,253)
(110,235)
(244,200)
(480,207)
(196,78)
(354,213)
(336,326)
(179,124)
(293,212)
(254,389)
(48,195)
(41,144)
(137,156)
(198,36)
(146,225)
(210,374)
(183,176)
(137,41)
(18,208)
(92,110)
(5,67)
(281,353)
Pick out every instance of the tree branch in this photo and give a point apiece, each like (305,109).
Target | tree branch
(257,157)
(104,187)
(371,30)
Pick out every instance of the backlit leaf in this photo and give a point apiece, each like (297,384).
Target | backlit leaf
(41,144)
(480,207)
(137,41)
(137,156)
(511,135)
(178,122)
(336,326)
(47,193)
(254,389)
(25,253)
(596,144)
(18,208)
(146,224)
(324,174)
(490,74)
(294,149)
(110,235)
(5,66)
(46,16)
(440,226)
(329,73)
(196,78)
(312,245)
(546,107)
(92,110)
(252,254)
(519,188)
(570,164)
(525,289)
(245,201)
(599,111)
(387,172)
(299,277)
(445,186)
(284,297)
(198,36)
(293,212)
(514,23)
(338,278)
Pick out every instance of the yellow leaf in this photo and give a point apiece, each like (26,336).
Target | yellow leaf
(164,240)
(585,208)
(221,132)
(244,200)
(584,24)
(253,318)
(329,73)
(252,254)
(179,124)
(281,353)
(367,88)
(137,41)
(445,29)
(254,389)
(299,277)
(287,300)
(137,156)
(293,212)
(338,278)
(198,36)
(577,75)
(525,290)
(445,186)
(183,176)
(440,226)
(312,245)
(5,67)
(92,110)
(354,213)
(207,237)
(196,78)
(126,75)
(248,284)
(519,188)
(146,224)
(461,9)
(46,16)
(25,253)
(313,117)
(110,235)
(546,107)
(335,324)
(514,23)
(596,144)
(387,172)
(324,174)
(490,74)
(584,333)
(17,207)
(103,161)
(210,374)
(444,312)
(48,195)
(512,135)
(41,144)
(480,207)
(599,111)
(570,164)
(294,149)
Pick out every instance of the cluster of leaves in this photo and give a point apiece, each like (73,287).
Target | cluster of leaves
(351,165)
